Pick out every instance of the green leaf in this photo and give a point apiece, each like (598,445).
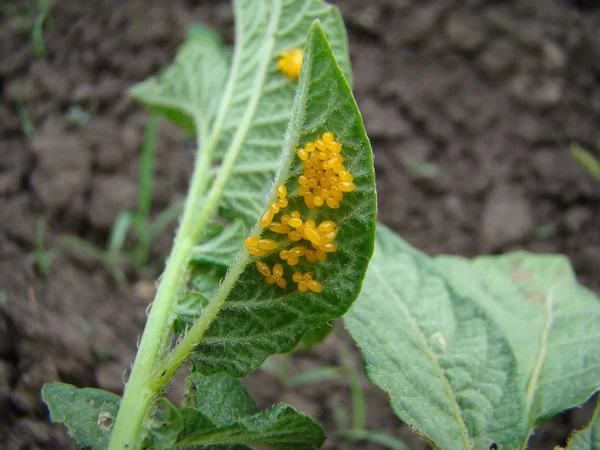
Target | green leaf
(221,249)
(280,427)
(218,413)
(190,90)
(220,397)
(589,437)
(87,413)
(256,100)
(165,426)
(316,335)
(253,319)
(449,371)
(549,319)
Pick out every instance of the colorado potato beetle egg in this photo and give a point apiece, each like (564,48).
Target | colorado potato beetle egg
(290,63)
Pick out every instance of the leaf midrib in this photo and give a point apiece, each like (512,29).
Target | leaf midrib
(448,389)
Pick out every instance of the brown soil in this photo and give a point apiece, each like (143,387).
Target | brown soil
(489,93)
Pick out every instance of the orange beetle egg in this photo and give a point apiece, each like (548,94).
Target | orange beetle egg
(295,222)
(346,176)
(285,219)
(329,247)
(281,191)
(274,208)
(326,226)
(263,268)
(312,235)
(294,236)
(320,144)
(296,214)
(328,237)
(266,219)
(277,270)
(282,283)
(318,201)
(268,244)
(278,227)
(346,186)
(302,286)
(284,254)
(308,200)
(302,180)
(256,251)
(321,255)
(271,279)
(251,241)
(297,277)
(310,147)
(334,147)
(282,202)
(293,261)
(332,203)
(314,286)
(302,154)
(328,137)
(290,63)
(311,256)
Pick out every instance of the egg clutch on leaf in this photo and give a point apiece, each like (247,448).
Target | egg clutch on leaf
(323,183)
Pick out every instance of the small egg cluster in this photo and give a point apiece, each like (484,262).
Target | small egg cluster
(325,178)
(324,181)
(290,63)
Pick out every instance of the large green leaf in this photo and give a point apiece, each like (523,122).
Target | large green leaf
(549,319)
(88,414)
(446,365)
(589,437)
(255,319)
(255,102)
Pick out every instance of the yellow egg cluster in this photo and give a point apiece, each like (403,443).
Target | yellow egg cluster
(325,178)
(324,181)
(290,63)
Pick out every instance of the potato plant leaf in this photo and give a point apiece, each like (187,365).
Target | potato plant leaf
(219,414)
(550,320)
(254,319)
(87,413)
(589,437)
(255,101)
(446,365)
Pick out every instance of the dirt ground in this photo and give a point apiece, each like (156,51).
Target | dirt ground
(470,106)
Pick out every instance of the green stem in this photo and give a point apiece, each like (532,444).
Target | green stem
(138,392)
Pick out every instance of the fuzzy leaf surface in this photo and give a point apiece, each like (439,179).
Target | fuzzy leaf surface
(589,437)
(446,365)
(221,249)
(257,319)
(87,413)
(550,320)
